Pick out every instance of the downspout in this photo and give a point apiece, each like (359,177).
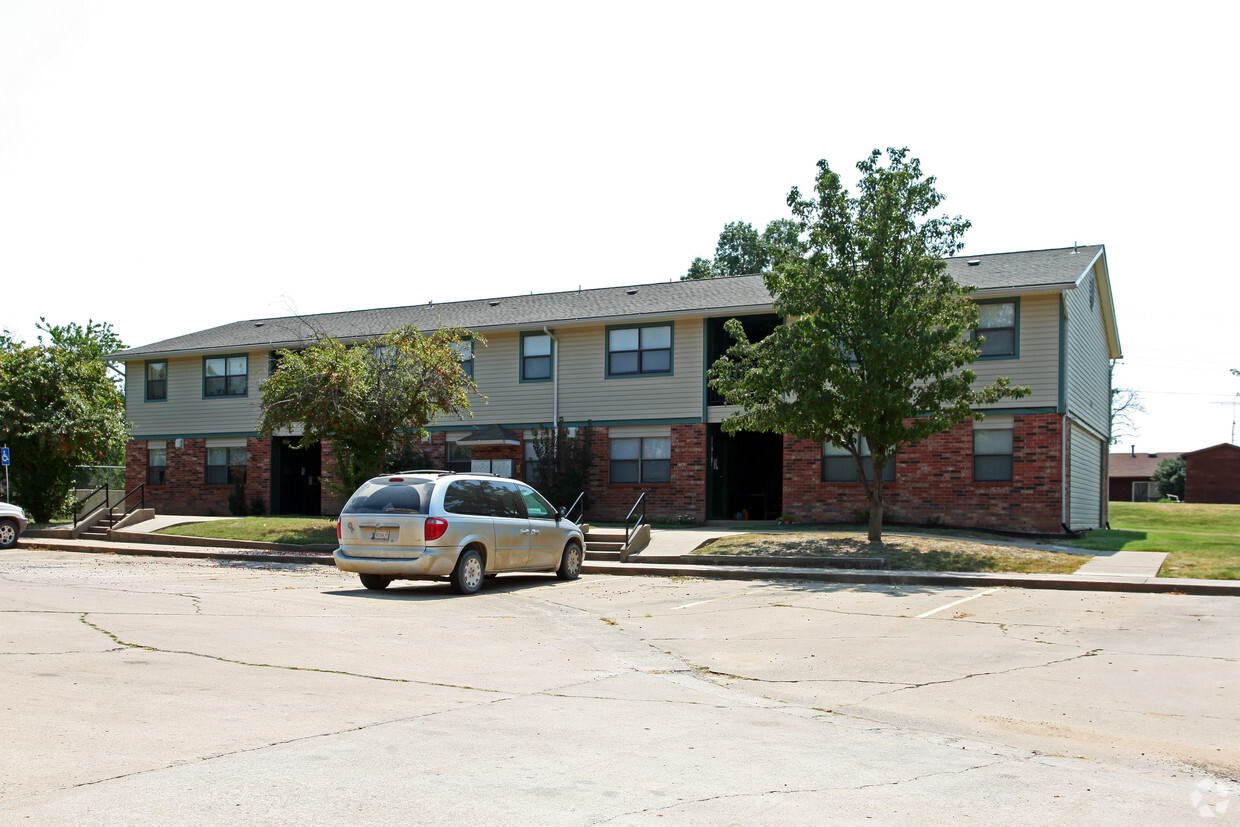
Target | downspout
(555,379)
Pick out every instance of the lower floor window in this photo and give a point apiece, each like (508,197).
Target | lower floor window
(641,459)
(992,455)
(225,466)
(460,458)
(532,465)
(838,464)
(156,466)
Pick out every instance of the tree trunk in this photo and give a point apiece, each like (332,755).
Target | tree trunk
(876,509)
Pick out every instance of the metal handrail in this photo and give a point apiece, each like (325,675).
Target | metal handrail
(78,506)
(140,490)
(569,513)
(641,518)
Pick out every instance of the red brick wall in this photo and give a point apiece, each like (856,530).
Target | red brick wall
(684,496)
(934,482)
(185,490)
(329,502)
(1213,475)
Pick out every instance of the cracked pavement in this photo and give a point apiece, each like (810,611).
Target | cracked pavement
(159,691)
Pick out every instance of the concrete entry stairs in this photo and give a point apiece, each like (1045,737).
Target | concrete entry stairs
(609,544)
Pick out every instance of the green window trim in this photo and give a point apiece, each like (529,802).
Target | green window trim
(641,351)
(230,373)
(160,384)
(1015,328)
(532,363)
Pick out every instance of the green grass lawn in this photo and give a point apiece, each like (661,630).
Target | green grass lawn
(901,553)
(299,530)
(1201,540)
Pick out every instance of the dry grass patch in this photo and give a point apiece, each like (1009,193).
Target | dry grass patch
(900,553)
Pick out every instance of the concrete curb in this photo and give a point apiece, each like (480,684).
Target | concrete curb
(674,568)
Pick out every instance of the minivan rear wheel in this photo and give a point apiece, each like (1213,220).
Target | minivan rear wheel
(467,576)
(375,582)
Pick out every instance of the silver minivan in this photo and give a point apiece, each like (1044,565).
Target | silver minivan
(439,525)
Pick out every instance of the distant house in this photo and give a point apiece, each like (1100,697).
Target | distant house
(1130,476)
(632,362)
(1212,475)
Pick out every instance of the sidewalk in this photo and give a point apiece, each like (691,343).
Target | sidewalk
(656,561)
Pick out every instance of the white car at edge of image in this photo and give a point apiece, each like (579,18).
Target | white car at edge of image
(12,523)
(441,525)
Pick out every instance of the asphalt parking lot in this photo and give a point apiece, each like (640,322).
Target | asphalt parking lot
(160,691)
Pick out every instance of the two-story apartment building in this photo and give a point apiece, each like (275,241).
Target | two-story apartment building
(632,361)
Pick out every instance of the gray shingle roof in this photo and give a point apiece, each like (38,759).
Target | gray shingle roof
(1049,268)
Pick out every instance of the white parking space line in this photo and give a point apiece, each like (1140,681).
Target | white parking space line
(711,600)
(958,602)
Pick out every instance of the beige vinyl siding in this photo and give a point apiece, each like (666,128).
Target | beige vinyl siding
(1038,365)
(585,391)
(1085,484)
(1088,379)
(185,411)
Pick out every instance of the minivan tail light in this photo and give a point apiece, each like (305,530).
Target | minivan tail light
(338,527)
(436,527)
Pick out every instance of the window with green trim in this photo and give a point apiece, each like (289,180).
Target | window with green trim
(636,350)
(996,328)
(535,357)
(465,356)
(156,381)
(225,376)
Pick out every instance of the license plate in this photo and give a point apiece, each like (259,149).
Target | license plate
(379,534)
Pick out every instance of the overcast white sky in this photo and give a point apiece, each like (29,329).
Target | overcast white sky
(171,166)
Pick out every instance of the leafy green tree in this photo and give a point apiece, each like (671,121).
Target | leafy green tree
(742,251)
(563,469)
(1169,477)
(59,409)
(876,344)
(368,398)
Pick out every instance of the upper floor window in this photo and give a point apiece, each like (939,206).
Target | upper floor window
(465,355)
(992,455)
(641,459)
(838,464)
(224,376)
(156,381)
(535,357)
(636,350)
(996,324)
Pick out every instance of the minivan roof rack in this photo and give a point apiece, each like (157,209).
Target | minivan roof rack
(424,471)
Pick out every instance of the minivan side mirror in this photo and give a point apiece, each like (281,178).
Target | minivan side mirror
(559,514)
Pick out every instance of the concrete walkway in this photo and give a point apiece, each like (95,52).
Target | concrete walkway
(167,521)
(1123,564)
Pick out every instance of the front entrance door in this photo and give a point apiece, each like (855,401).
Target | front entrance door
(746,475)
(296,473)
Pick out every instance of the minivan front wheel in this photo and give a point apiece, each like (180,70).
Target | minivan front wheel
(467,576)
(570,562)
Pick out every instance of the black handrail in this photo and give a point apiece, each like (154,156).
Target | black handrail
(569,513)
(641,518)
(79,505)
(141,492)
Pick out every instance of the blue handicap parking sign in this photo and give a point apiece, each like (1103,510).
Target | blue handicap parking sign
(4,455)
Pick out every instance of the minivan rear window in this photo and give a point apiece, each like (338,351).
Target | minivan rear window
(391,498)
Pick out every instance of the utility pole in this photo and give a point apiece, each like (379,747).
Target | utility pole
(1233,404)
